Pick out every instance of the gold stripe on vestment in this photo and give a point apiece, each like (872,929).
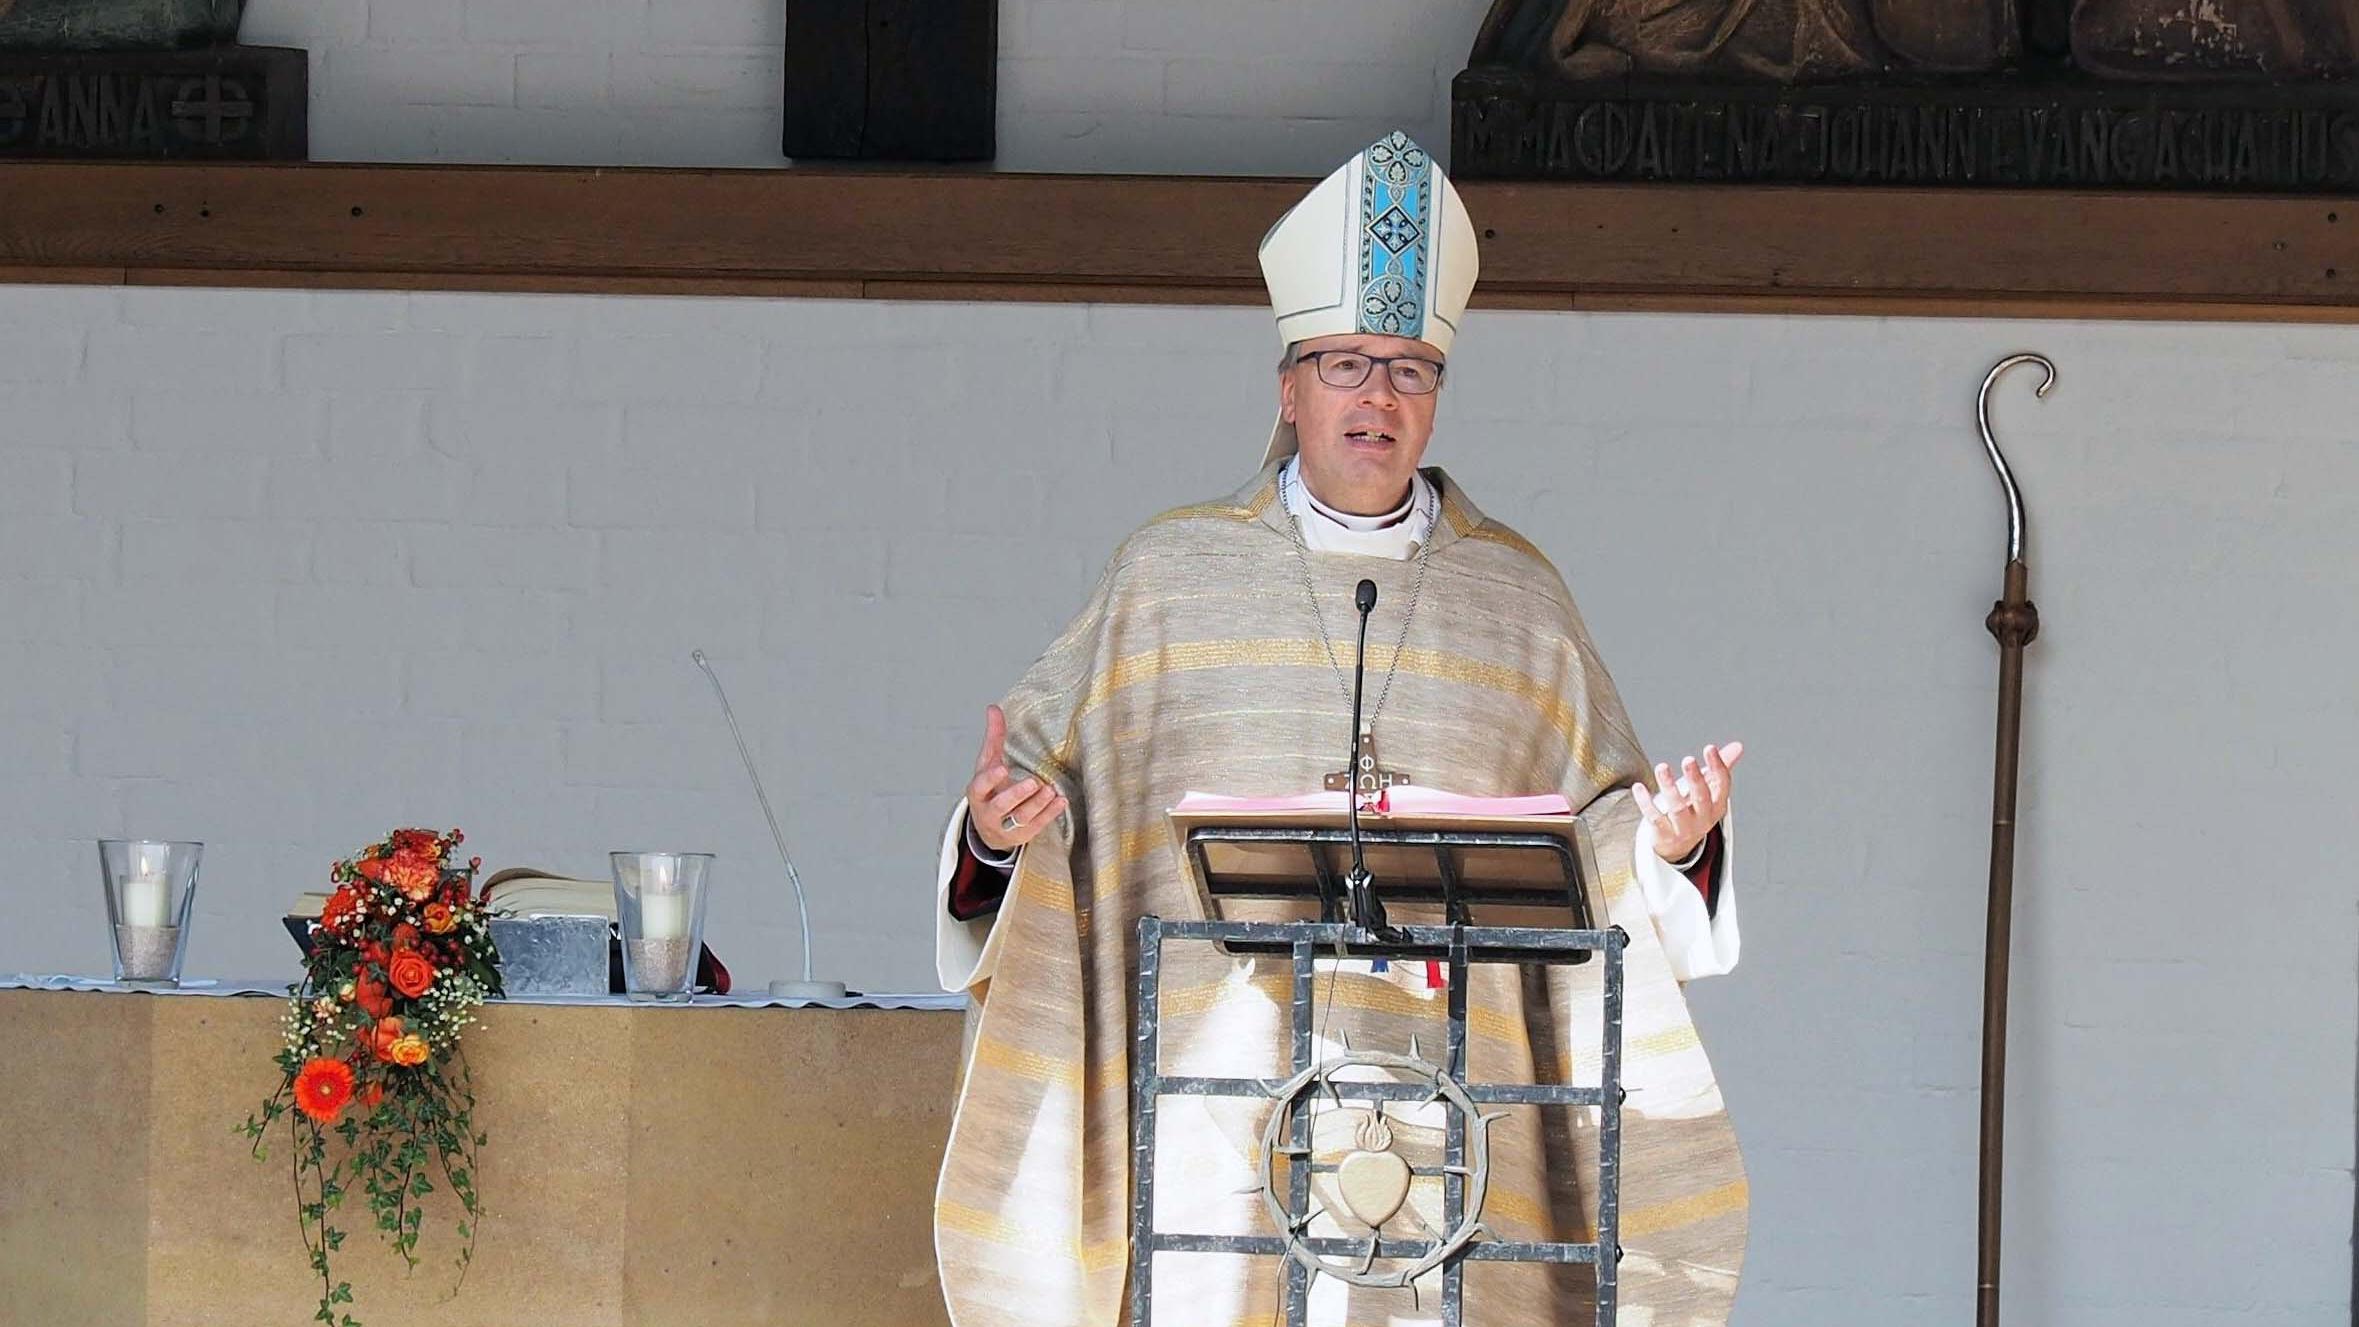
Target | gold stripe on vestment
(1487,533)
(992,1228)
(1279,652)
(1670,1041)
(1637,1222)
(1044,891)
(1026,1064)
(1655,1218)
(1227,511)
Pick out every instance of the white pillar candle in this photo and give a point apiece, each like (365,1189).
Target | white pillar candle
(664,916)
(147,898)
(663,905)
(661,875)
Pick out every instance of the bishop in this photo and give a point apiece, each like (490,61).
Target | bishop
(1215,653)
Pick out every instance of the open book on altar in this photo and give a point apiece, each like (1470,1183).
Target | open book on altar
(1436,857)
(518,891)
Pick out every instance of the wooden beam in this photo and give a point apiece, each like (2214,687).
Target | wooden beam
(954,234)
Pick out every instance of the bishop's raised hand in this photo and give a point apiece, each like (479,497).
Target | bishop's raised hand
(1689,803)
(1007,812)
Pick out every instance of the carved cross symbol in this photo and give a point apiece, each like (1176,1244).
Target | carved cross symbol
(1372,778)
(223,104)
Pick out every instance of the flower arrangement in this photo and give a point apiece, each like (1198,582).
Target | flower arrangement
(398,963)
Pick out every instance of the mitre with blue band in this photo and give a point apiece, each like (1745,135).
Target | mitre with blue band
(1382,246)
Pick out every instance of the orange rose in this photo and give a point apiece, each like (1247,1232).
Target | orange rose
(439,918)
(410,1051)
(322,1089)
(380,1038)
(410,973)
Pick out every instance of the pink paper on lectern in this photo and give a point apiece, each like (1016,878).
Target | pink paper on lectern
(1402,800)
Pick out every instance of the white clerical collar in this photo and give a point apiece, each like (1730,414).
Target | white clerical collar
(1363,524)
(1395,534)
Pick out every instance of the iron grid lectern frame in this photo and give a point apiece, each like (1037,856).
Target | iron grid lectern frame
(1463,946)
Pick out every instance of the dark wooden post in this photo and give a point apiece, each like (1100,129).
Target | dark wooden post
(892,80)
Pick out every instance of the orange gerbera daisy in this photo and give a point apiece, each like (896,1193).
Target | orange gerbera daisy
(322,1089)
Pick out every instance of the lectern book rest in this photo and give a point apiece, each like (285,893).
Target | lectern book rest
(1437,859)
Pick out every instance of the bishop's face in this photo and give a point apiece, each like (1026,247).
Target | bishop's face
(1360,444)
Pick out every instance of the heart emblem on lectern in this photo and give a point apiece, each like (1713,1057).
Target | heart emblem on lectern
(1372,1181)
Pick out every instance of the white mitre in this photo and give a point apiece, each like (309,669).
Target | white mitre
(1381,246)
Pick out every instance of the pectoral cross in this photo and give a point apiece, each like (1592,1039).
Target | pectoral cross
(1372,779)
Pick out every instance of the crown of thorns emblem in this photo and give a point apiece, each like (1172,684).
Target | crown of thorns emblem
(1373,1180)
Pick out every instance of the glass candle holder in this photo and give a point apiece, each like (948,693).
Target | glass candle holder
(659,902)
(149,885)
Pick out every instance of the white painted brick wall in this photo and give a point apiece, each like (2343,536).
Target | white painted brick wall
(1285,87)
(284,570)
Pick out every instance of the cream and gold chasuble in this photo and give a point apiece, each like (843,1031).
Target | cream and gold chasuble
(1198,664)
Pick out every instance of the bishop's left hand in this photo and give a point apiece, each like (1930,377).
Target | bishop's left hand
(1690,803)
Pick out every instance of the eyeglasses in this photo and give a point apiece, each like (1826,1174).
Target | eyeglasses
(1347,369)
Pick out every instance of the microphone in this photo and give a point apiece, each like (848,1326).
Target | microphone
(806,989)
(1367,912)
